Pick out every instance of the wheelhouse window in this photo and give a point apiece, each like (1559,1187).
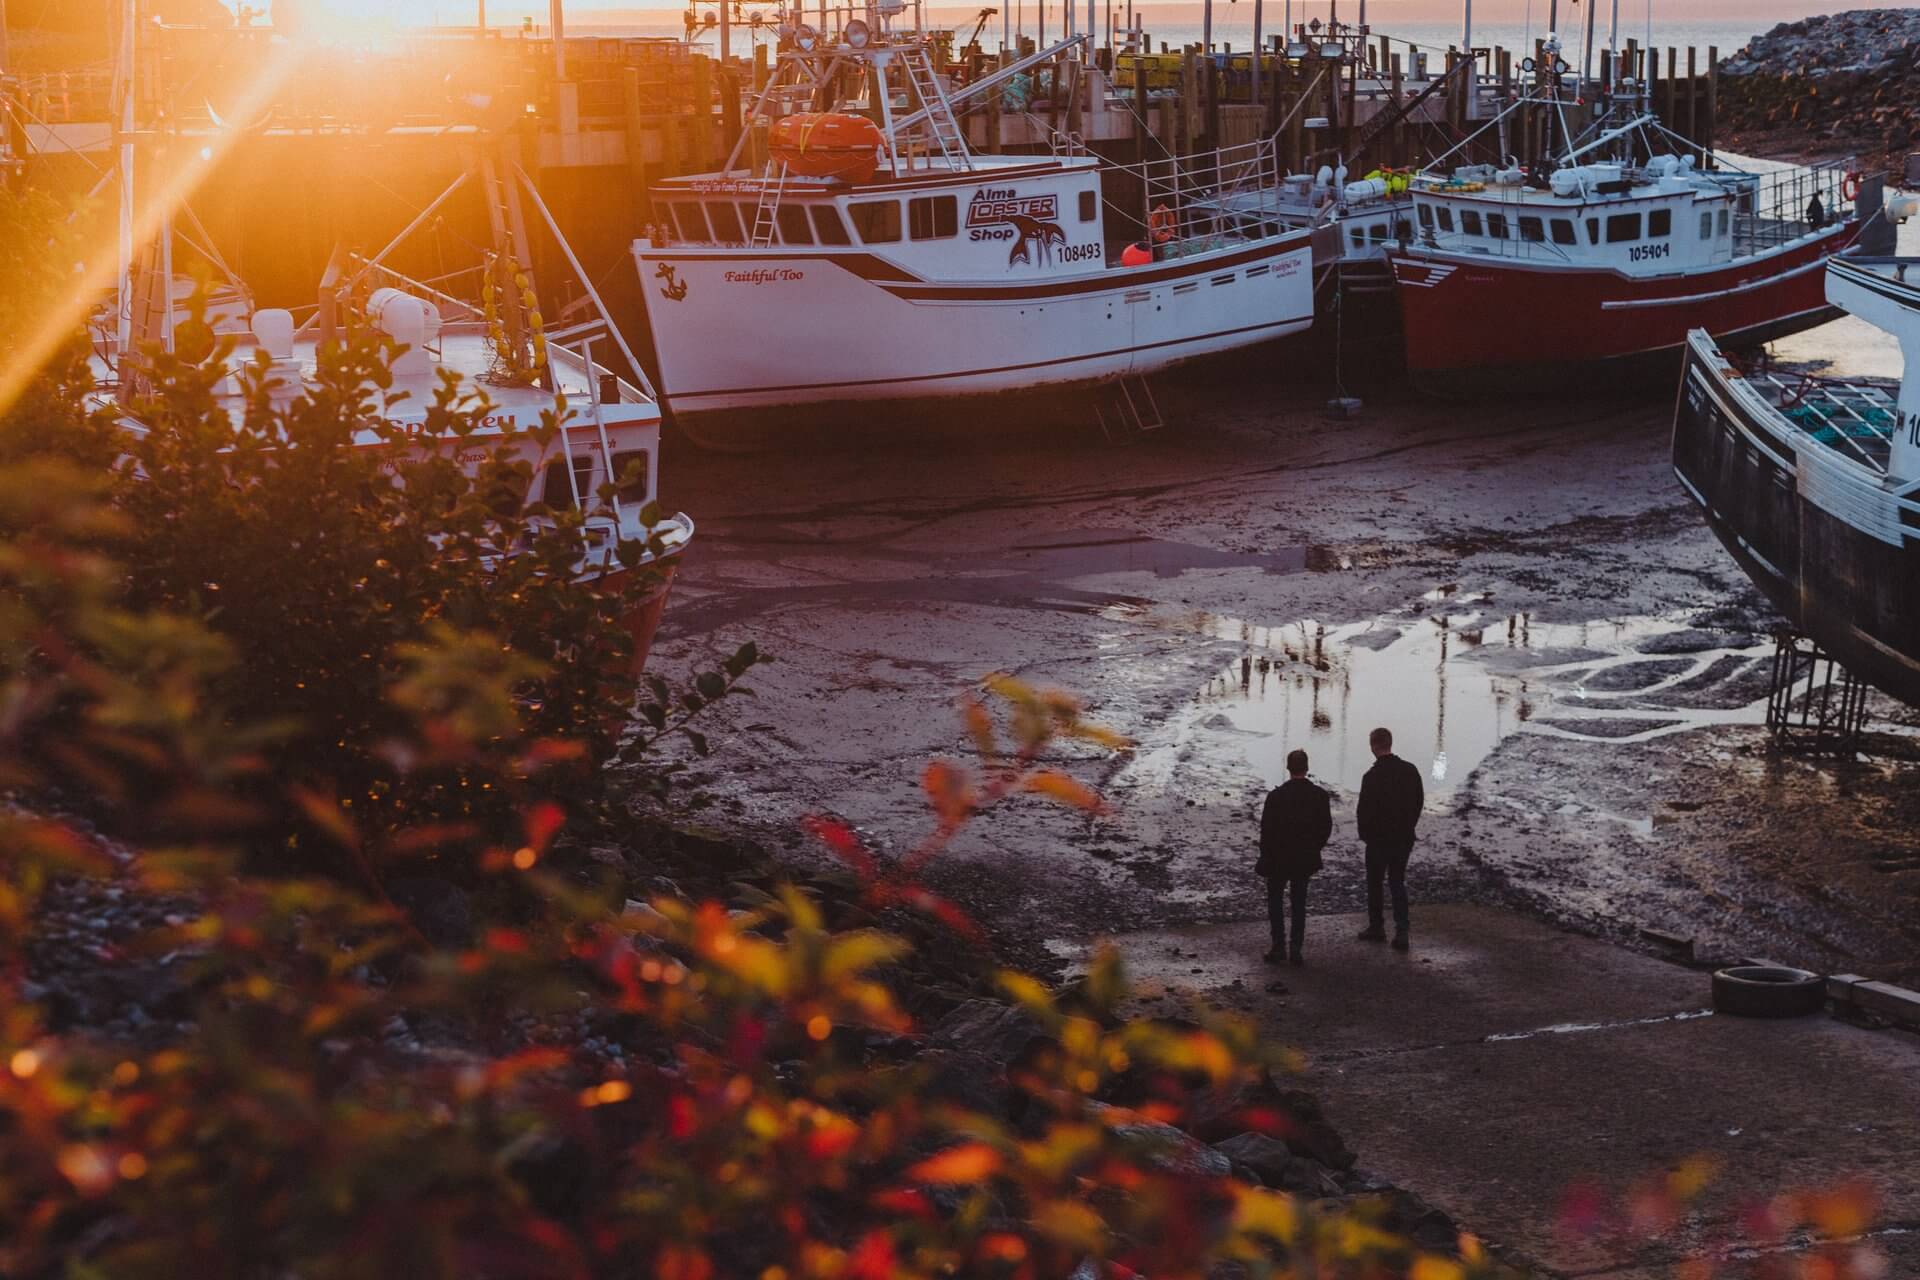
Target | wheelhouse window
(876,221)
(1402,229)
(1426,216)
(933,217)
(726,222)
(1723,221)
(1563,232)
(1446,218)
(1532,230)
(1706,224)
(1357,235)
(630,475)
(792,219)
(1622,227)
(1470,222)
(827,227)
(1659,222)
(1593,231)
(1089,206)
(1497,225)
(691,222)
(557,493)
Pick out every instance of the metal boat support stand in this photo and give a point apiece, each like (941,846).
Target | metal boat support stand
(1815,706)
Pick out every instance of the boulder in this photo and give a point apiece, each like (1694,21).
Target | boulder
(998,1032)
(1167,1148)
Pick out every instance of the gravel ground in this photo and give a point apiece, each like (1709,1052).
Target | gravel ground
(1518,589)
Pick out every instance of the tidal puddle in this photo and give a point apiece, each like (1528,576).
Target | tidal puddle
(1452,686)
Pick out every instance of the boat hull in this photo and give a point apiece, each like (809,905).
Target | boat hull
(641,616)
(1473,322)
(784,330)
(1828,545)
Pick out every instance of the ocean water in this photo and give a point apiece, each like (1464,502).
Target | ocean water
(1511,25)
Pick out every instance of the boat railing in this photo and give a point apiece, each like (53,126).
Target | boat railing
(1773,208)
(1205,197)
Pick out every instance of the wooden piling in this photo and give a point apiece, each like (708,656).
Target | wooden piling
(1712,113)
(1693,99)
(1397,135)
(1670,87)
(636,143)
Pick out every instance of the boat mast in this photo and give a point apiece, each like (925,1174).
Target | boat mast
(123,84)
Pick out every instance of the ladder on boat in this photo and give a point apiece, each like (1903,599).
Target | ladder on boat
(1127,407)
(772,187)
(941,122)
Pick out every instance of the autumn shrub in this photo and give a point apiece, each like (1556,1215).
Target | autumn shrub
(328,551)
(681,1089)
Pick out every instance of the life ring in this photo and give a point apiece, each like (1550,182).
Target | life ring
(1160,224)
(1850,186)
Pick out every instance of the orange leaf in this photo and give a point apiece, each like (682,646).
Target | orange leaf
(1059,786)
(949,790)
(968,1162)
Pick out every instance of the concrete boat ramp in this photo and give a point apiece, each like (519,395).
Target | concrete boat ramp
(1515,1074)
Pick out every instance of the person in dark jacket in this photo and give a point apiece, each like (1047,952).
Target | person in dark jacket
(1391,797)
(1294,826)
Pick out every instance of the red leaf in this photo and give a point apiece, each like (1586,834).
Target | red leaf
(543,821)
(873,1259)
(842,842)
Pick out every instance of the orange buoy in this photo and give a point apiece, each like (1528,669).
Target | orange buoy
(1136,254)
(827,144)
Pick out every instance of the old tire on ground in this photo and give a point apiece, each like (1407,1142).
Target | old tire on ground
(1767,991)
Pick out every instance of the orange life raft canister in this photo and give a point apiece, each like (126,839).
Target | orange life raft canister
(825,144)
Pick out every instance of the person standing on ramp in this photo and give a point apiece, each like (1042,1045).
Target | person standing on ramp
(1391,797)
(1294,826)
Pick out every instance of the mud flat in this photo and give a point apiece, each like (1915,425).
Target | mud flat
(1519,590)
(1518,1076)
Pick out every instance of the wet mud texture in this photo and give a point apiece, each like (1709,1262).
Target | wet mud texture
(1519,590)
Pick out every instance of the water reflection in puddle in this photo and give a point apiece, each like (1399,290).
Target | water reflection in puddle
(1452,687)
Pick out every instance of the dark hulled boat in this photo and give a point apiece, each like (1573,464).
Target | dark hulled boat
(1812,483)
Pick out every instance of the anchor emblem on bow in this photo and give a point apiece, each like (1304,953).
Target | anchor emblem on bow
(675,288)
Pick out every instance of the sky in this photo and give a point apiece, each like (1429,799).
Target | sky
(510,12)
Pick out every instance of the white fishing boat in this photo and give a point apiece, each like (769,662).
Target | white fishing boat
(484,326)
(873,256)
(1813,483)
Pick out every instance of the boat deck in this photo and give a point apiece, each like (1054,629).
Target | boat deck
(1854,419)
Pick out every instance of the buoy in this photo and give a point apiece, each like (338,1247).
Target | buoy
(1850,186)
(1136,254)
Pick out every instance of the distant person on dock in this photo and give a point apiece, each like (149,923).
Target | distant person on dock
(1391,797)
(1294,826)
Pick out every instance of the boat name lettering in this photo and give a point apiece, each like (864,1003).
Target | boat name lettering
(1647,252)
(1001,204)
(765,275)
(1286,266)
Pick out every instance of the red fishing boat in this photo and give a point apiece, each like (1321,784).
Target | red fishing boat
(1579,268)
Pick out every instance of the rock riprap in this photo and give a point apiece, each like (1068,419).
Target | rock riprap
(1844,77)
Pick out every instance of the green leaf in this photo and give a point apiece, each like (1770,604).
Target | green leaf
(699,741)
(711,684)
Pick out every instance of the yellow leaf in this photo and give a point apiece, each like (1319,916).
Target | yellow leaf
(1059,786)
(968,1162)
(1070,1223)
(855,953)
(1267,1213)
(800,909)
(1007,687)
(1029,993)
